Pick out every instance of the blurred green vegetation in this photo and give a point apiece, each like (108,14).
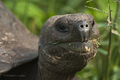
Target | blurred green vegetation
(33,13)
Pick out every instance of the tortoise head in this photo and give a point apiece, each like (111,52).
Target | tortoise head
(68,42)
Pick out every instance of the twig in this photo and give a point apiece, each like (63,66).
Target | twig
(109,18)
(117,1)
(109,46)
(89,1)
(14,4)
(115,32)
(96,9)
(115,17)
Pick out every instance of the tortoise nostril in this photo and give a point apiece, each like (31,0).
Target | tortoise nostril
(82,26)
(86,25)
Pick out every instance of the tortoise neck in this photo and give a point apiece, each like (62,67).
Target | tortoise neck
(47,74)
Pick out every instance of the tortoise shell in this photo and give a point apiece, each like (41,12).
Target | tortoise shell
(17,44)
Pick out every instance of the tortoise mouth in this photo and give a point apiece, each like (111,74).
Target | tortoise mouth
(81,48)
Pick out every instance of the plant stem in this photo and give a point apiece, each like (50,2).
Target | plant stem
(109,46)
(26,11)
(115,17)
(14,4)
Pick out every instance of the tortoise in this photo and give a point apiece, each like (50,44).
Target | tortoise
(66,44)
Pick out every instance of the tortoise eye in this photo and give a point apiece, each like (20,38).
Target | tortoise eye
(93,23)
(62,27)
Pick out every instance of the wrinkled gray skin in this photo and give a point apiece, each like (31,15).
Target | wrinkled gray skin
(67,43)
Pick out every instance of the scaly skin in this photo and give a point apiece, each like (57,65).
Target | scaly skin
(67,43)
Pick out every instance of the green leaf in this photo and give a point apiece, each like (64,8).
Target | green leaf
(102,51)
